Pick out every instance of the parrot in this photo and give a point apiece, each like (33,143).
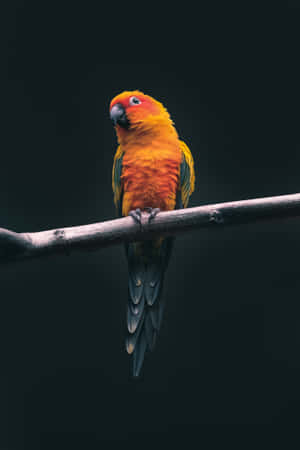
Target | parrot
(153,171)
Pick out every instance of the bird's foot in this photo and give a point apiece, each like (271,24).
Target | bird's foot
(152,213)
(136,214)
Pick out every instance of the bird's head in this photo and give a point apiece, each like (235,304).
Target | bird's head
(133,112)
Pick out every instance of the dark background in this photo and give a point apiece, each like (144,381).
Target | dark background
(228,357)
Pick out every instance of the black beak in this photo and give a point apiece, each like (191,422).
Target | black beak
(118,116)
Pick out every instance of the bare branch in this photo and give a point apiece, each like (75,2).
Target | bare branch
(20,246)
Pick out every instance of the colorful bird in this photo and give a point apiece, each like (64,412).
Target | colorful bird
(153,171)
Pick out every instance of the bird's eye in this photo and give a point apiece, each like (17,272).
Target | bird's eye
(134,101)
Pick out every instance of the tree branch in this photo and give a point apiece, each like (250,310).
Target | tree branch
(21,246)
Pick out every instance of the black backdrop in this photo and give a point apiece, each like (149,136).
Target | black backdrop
(228,357)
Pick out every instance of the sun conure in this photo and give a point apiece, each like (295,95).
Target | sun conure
(153,171)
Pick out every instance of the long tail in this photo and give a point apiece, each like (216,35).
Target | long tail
(147,263)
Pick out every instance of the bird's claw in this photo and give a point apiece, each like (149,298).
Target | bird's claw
(152,213)
(136,214)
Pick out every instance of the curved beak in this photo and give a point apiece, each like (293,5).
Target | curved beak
(118,116)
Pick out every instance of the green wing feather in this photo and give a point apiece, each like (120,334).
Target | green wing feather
(116,180)
(187,174)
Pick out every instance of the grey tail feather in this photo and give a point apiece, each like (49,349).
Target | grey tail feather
(145,306)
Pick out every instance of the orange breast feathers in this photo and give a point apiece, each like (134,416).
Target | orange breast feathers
(150,175)
(151,152)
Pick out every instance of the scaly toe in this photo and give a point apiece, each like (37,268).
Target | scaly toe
(153,214)
(136,215)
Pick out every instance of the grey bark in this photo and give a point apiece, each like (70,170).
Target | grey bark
(22,246)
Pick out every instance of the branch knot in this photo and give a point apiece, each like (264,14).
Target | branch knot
(216,216)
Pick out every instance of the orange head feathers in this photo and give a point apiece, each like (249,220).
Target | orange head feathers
(135,113)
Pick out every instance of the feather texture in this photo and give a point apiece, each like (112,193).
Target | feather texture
(187,174)
(144,317)
(152,168)
(116,180)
